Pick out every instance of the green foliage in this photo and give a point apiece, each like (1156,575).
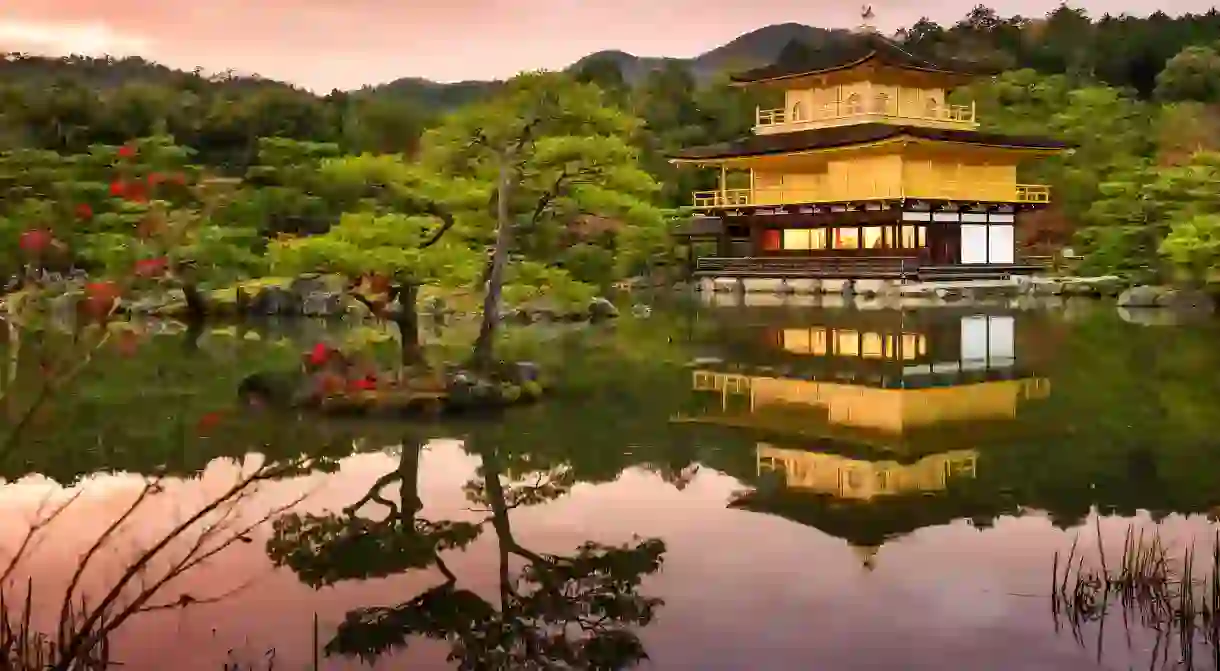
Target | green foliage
(387,244)
(1192,75)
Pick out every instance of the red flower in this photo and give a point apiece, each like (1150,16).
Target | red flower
(319,355)
(118,188)
(128,343)
(155,178)
(178,178)
(151,267)
(208,421)
(136,193)
(364,384)
(127,151)
(83,211)
(100,297)
(331,384)
(35,240)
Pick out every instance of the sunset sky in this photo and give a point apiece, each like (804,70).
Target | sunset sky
(324,44)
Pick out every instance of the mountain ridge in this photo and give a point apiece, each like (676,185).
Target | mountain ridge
(758,47)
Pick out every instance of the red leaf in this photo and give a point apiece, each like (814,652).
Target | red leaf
(208,421)
(151,267)
(319,355)
(128,343)
(364,384)
(35,240)
(136,193)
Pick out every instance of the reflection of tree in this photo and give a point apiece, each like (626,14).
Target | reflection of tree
(557,611)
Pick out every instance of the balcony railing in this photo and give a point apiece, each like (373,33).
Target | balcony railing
(867,189)
(781,120)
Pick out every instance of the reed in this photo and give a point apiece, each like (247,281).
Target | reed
(1175,598)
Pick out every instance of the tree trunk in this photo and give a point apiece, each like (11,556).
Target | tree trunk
(407,320)
(481,358)
(196,304)
(408,484)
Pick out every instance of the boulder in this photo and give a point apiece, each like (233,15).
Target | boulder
(435,307)
(1146,296)
(1109,286)
(323,304)
(1142,297)
(315,283)
(1044,287)
(355,310)
(601,309)
(1186,299)
(272,301)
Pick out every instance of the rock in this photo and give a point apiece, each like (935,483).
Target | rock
(355,310)
(1141,297)
(528,371)
(1150,316)
(323,304)
(640,310)
(314,283)
(150,304)
(1078,288)
(273,301)
(1045,287)
(1186,299)
(434,306)
(1109,286)
(1146,296)
(601,309)
(61,309)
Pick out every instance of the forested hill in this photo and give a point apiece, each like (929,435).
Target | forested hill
(1121,51)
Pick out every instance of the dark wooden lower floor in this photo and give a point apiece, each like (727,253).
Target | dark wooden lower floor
(855,267)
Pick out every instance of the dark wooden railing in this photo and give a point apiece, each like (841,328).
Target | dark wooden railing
(856,267)
(809,266)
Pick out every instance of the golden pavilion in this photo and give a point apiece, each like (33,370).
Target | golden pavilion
(868,171)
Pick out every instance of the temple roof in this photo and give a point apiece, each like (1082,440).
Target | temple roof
(849,51)
(697,226)
(870,523)
(841,136)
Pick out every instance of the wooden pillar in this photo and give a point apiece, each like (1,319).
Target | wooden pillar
(756,237)
(723,242)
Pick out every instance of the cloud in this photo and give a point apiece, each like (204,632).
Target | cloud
(92,38)
(345,43)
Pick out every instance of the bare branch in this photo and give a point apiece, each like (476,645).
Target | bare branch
(87,633)
(36,526)
(149,488)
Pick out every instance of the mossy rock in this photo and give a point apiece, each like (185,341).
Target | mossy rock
(532,390)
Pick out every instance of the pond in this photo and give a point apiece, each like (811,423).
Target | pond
(712,487)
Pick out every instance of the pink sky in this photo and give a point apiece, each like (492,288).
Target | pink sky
(324,44)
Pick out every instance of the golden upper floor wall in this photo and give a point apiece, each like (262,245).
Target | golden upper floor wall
(865,101)
(907,172)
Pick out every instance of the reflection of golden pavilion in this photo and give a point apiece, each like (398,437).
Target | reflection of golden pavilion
(859,479)
(871,419)
(873,386)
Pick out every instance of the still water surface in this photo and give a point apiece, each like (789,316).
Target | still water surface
(787,488)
